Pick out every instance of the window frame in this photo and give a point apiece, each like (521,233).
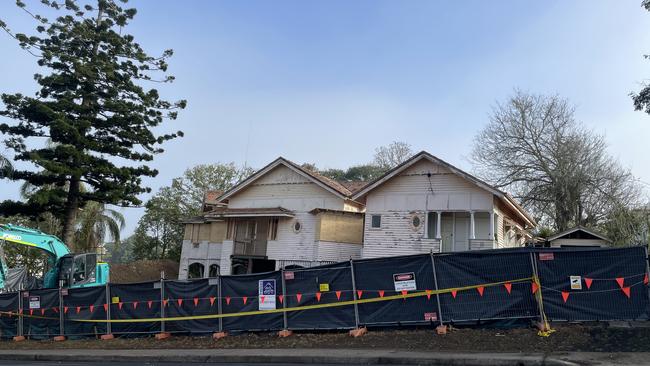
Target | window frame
(372,221)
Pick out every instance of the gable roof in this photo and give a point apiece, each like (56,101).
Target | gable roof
(328,184)
(503,196)
(579,228)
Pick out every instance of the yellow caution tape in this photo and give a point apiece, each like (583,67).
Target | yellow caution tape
(283,310)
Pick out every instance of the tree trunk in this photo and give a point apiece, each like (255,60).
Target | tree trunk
(70,214)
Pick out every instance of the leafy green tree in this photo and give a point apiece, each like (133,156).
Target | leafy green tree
(121,252)
(93,106)
(159,233)
(5,166)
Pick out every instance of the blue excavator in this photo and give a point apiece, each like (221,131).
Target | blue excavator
(64,269)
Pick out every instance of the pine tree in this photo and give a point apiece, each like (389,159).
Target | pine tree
(93,105)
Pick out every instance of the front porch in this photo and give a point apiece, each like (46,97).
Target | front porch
(462,230)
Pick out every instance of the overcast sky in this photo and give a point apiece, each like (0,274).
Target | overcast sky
(326,82)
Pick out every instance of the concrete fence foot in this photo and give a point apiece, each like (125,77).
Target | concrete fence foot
(358,332)
(106,337)
(59,338)
(442,329)
(285,333)
(163,335)
(219,335)
(19,338)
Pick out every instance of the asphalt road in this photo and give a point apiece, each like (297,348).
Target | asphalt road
(99,363)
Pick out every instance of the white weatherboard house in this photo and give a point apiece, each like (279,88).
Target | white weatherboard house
(286,215)
(281,215)
(426,204)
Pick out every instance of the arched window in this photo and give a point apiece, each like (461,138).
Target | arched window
(214,270)
(195,270)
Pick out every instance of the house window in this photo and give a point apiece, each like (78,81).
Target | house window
(375,222)
(195,270)
(230,229)
(214,270)
(273,229)
(416,221)
(432,225)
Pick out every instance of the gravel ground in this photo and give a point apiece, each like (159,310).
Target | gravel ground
(566,338)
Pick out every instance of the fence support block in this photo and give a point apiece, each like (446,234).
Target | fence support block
(163,335)
(107,337)
(358,332)
(19,338)
(285,333)
(219,335)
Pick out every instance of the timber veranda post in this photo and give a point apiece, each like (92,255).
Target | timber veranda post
(435,283)
(285,319)
(354,295)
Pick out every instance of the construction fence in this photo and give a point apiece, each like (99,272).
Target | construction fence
(429,289)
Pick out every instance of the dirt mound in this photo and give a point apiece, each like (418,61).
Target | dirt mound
(143,270)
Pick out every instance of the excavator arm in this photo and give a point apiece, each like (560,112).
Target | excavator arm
(82,270)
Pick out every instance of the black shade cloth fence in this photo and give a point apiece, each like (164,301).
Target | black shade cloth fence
(468,287)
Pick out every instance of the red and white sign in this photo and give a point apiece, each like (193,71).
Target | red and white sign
(430,317)
(404,281)
(288,275)
(546,256)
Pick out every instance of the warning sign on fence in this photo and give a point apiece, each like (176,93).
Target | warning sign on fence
(404,281)
(267,292)
(576,282)
(34,302)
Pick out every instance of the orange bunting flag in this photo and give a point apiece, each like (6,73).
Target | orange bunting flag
(119,305)
(381,293)
(620,281)
(565,296)
(196,301)
(281,298)
(42,311)
(534,287)
(480,290)
(318,295)
(453,293)
(626,291)
(508,287)
(65,310)
(165,301)
(135,305)
(91,308)
(227,300)
(359,293)
(106,307)
(588,282)
(149,303)
(645,279)
(245,299)
(180,302)
(298,297)
(338,295)
(404,292)
(78,309)
(212,298)
(262,299)
(429,294)
(56,309)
